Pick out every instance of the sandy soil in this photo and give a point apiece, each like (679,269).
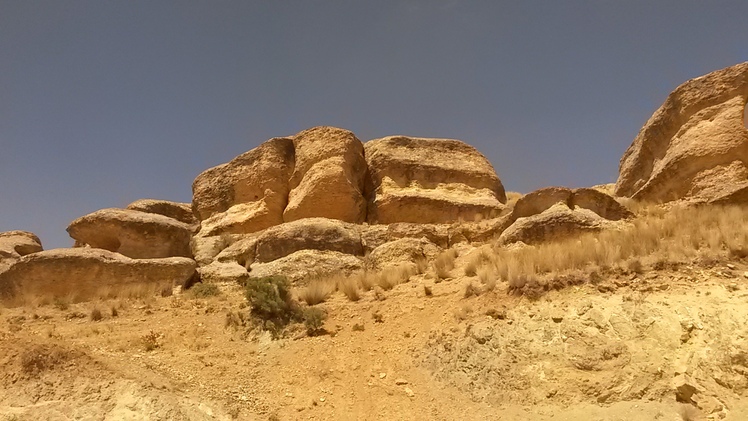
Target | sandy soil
(606,352)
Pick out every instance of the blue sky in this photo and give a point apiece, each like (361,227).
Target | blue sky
(105,102)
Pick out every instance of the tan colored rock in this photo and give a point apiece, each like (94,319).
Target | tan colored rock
(479,232)
(248,178)
(85,272)
(694,146)
(182,212)
(245,218)
(135,234)
(435,233)
(538,201)
(429,181)
(14,244)
(304,263)
(600,203)
(308,234)
(223,272)
(556,223)
(401,251)
(328,178)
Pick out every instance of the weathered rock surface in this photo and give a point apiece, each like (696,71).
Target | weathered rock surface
(83,272)
(246,218)
(401,251)
(694,146)
(257,179)
(555,223)
(429,181)
(182,212)
(230,272)
(308,234)
(328,178)
(587,198)
(14,244)
(135,234)
(303,263)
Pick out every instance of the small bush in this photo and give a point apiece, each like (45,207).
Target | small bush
(96,314)
(150,341)
(204,290)
(349,287)
(317,291)
(314,320)
(444,263)
(42,357)
(61,303)
(472,290)
(270,301)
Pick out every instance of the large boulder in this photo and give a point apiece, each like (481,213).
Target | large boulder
(135,234)
(308,234)
(14,244)
(555,223)
(257,180)
(586,198)
(695,146)
(401,251)
(84,272)
(429,181)
(328,178)
(305,263)
(182,212)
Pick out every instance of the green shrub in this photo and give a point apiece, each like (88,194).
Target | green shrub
(314,320)
(270,301)
(204,290)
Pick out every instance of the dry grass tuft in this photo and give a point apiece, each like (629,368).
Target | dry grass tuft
(349,286)
(96,314)
(317,290)
(444,263)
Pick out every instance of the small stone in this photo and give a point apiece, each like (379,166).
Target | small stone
(321,399)
(401,382)
(685,388)
(745,275)
(409,392)
(730,266)
(382,375)
(557,316)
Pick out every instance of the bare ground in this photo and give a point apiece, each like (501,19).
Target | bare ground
(610,351)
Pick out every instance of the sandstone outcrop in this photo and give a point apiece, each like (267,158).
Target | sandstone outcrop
(587,198)
(695,146)
(401,251)
(256,180)
(14,244)
(429,181)
(84,272)
(182,212)
(555,223)
(299,265)
(308,234)
(135,234)
(328,177)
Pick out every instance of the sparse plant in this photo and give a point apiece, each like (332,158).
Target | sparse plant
(114,311)
(314,320)
(427,291)
(377,316)
(444,263)
(317,290)
(96,314)
(463,312)
(471,268)
(358,327)
(61,303)
(151,341)
(349,287)
(204,290)
(40,358)
(472,290)
(270,302)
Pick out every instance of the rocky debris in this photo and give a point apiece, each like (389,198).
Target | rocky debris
(685,388)
(303,263)
(182,212)
(557,222)
(429,181)
(694,146)
(256,181)
(328,178)
(83,272)
(308,234)
(14,244)
(401,251)
(135,234)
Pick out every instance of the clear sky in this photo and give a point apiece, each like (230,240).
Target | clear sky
(105,102)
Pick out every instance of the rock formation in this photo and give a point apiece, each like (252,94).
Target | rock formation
(83,273)
(182,212)
(554,213)
(247,194)
(695,146)
(135,234)
(430,181)
(14,244)
(328,178)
